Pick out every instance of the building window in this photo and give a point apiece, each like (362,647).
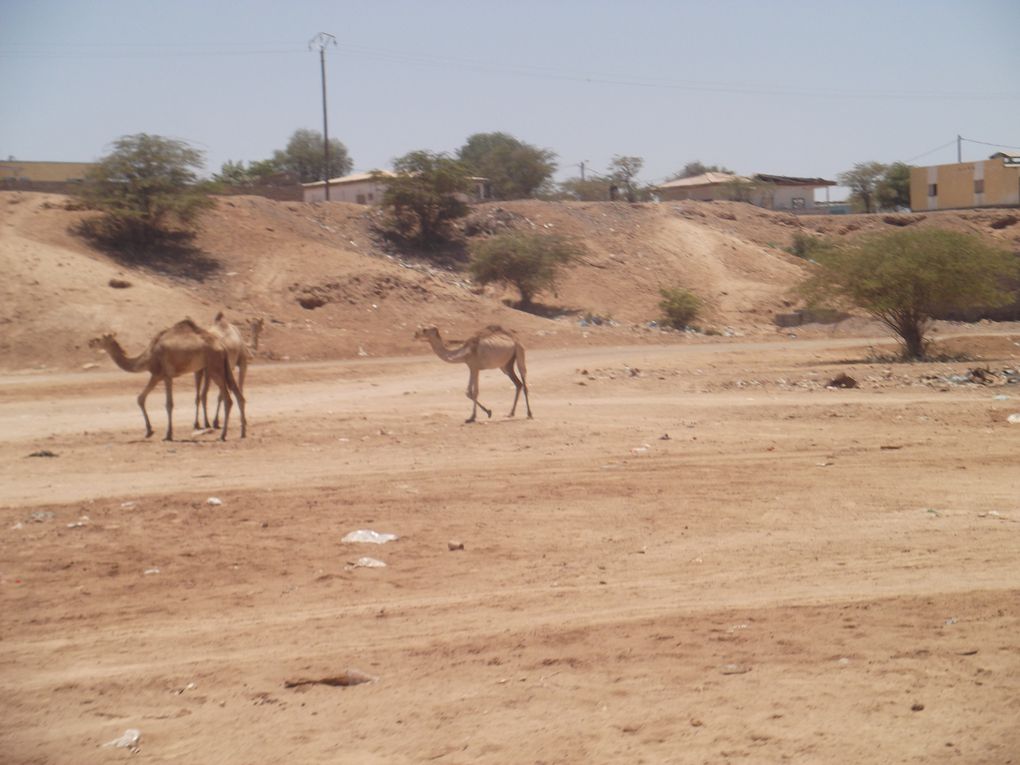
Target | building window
(361,199)
(979,186)
(798,203)
(933,189)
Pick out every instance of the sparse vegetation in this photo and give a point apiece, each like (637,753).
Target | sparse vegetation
(305,157)
(679,306)
(425,196)
(514,169)
(148,191)
(531,262)
(906,278)
(807,246)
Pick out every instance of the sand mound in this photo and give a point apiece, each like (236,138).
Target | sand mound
(330,287)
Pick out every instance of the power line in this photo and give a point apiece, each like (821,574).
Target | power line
(129,50)
(993,145)
(937,148)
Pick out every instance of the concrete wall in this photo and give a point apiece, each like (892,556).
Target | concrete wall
(959,185)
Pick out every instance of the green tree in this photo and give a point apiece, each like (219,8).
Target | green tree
(588,190)
(907,278)
(531,262)
(305,157)
(240,174)
(679,307)
(427,193)
(863,181)
(515,170)
(893,189)
(147,188)
(623,171)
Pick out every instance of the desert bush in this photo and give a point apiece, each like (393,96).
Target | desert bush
(531,262)
(906,278)
(807,246)
(147,189)
(679,306)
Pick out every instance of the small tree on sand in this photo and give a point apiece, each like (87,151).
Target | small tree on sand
(905,279)
(530,262)
(147,188)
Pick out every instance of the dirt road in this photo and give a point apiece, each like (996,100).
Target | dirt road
(694,554)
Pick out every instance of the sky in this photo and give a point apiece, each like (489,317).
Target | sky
(772,86)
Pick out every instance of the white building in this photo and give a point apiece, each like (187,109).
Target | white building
(368,189)
(774,192)
(359,189)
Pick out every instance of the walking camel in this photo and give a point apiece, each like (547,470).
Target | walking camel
(492,348)
(239,352)
(178,350)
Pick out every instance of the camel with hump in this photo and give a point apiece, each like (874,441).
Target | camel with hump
(239,352)
(182,349)
(492,348)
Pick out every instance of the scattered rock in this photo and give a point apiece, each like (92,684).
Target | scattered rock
(454,545)
(119,284)
(842,380)
(43,453)
(346,678)
(734,669)
(917,708)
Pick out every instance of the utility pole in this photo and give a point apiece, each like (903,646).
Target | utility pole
(582,169)
(324,40)
(959,149)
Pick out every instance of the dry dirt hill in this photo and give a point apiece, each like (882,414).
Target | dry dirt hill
(330,287)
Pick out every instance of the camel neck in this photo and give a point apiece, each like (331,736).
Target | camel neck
(446,354)
(125,362)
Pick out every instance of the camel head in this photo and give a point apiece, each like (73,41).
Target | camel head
(426,333)
(104,341)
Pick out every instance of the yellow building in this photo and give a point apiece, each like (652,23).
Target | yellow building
(993,182)
(42,176)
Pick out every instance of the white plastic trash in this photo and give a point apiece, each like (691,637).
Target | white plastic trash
(214,501)
(130,738)
(1014,419)
(367,535)
(369,563)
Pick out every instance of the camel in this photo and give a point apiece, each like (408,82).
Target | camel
(492,348)
(183,348)
(240,354)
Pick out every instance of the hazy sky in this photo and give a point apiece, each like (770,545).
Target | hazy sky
(774,86)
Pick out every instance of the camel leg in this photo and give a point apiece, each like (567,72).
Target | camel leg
(153,381)
(472,393)
(242,371)
(523,370)
(227,382)
(201,393)
(169,383)
(508,370)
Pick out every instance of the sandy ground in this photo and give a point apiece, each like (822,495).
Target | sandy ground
(794,574)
